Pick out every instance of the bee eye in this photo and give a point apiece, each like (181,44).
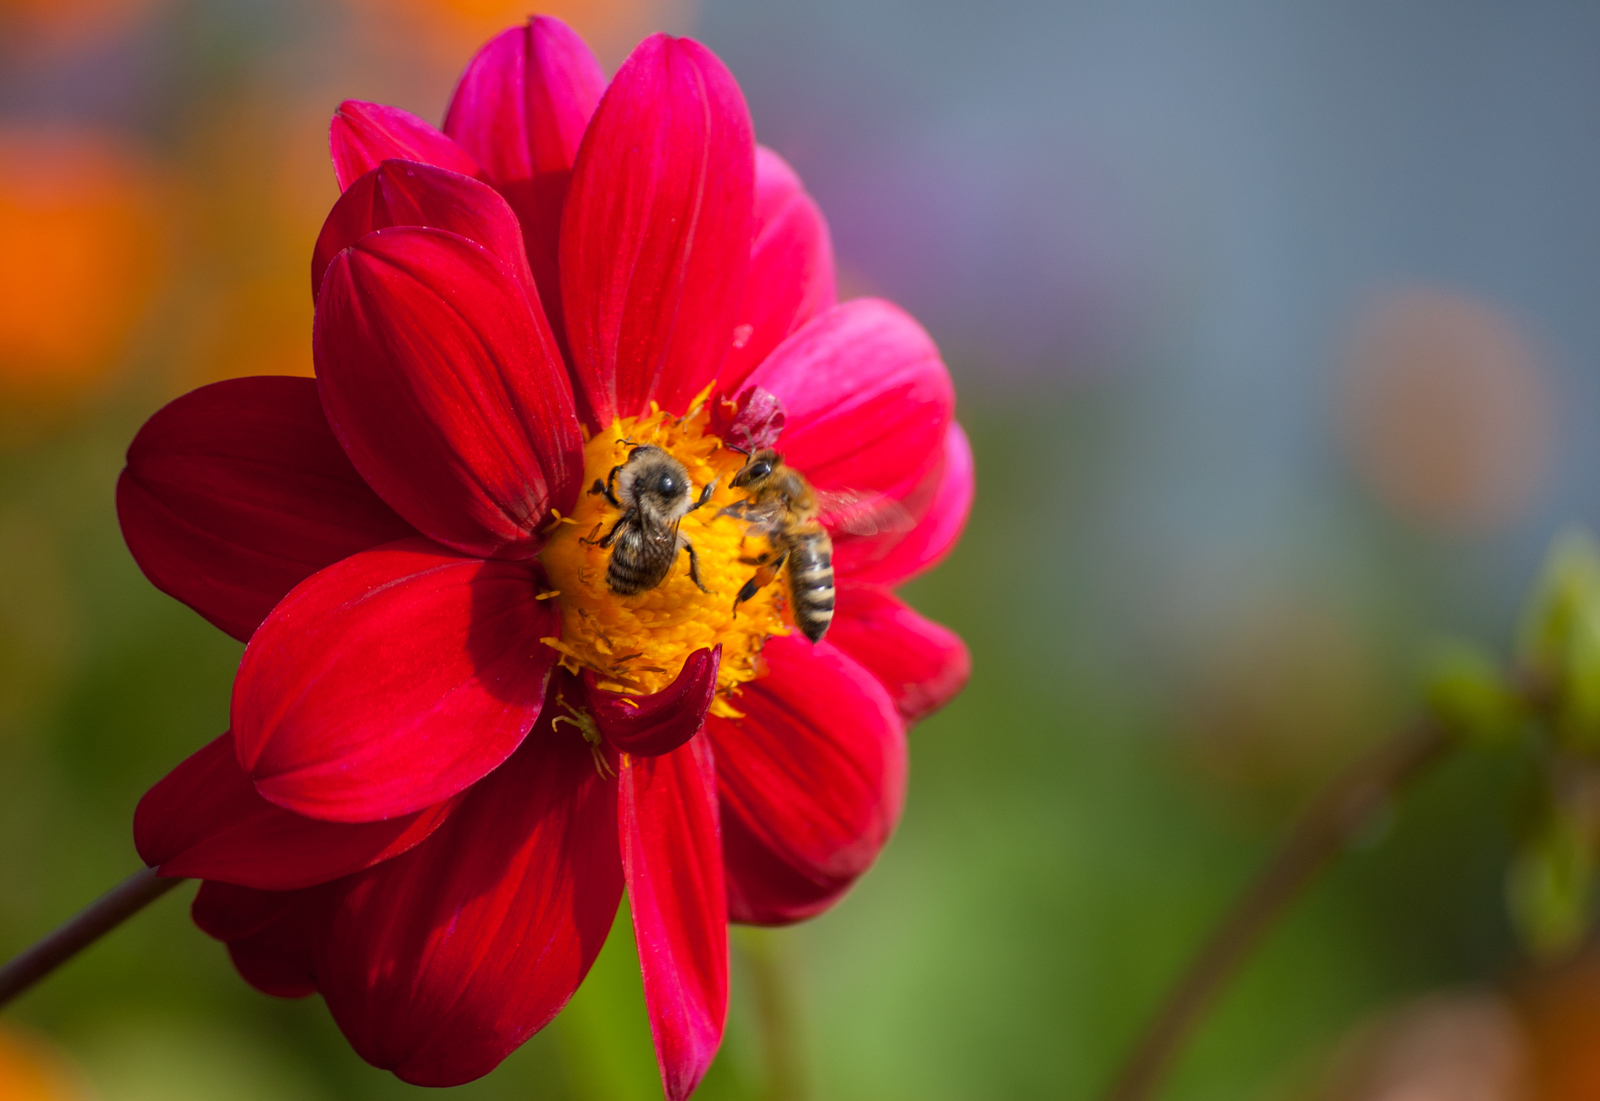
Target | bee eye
(667,484)
(761,469)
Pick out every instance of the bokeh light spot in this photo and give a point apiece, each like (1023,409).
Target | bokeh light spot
(1447,410)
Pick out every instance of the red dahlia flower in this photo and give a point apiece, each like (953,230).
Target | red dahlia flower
(452,745)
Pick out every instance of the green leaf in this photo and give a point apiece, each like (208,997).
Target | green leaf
(1551,886)
(1467,692)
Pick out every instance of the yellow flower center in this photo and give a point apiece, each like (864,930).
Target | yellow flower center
(637,644)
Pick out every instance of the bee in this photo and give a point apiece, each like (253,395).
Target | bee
(785,508)
(652,490)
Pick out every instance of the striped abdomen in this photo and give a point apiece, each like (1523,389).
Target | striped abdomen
(811,580)
(638,562)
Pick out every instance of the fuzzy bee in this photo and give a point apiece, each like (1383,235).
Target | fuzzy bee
(783,506)
(652,490)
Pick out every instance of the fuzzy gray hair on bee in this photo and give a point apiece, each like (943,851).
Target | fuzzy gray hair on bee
(652,490)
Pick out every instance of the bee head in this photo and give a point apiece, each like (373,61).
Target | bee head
(651,477)
(758,469)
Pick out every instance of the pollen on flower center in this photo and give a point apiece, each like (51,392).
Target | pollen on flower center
(637,644)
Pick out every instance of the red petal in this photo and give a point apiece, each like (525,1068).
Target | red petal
(405,193)
(655,240)
(269,933)
(521,109)
(672,856)
(791,269)
(897,557)
(922,664)
(647,726)
(447,390)
(867,398)
(391,681)
(237,492)
(206,820)
(812,780)
(440,962)
(364,135)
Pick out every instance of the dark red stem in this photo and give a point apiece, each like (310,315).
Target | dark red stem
(1326,827)
(99,918)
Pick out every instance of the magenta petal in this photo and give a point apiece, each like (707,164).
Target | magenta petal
(791,269)
(206,820)
(392,680)
(440,962)
(922,664)
(237,492)
(655,239)
(812,780)
(446,390)
(647,726)
(867,398)
(406,193)
(269,933)
(672,856)
(364,135)
(895,557)
(521,109)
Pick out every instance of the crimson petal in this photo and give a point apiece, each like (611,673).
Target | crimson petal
(791,269)
(521,109)
(406,193)
(206,820)
(647,726)
(437,964)
(896,557)
(671,854)
(812,781)
(392,680)
(269,934)
(446,389)
(364,135)
(922,664)
(237,492)
(867,397)
(655,239)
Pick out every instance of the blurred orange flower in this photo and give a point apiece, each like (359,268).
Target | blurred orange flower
(56,24)
(1561,1010)
(453,25)
(30,1070)
(80,256)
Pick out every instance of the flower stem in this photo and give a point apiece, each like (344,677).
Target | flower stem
(94,921)
(775,1015)
(1327,826)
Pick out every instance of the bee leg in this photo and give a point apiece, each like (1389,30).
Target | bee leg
(611,486)
(705,495)
(610,536)
(764,576)
(694,562)
(737,510)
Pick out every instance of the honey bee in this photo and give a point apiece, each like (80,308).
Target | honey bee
(652,490)
(785,508)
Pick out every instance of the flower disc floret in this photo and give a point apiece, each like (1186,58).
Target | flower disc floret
(637,644)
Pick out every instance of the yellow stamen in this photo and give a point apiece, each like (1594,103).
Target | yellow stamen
(638,644)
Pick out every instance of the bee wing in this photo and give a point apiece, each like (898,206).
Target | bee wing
(862,513)
(762,519)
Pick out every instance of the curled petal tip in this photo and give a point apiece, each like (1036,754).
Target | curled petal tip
(647,726)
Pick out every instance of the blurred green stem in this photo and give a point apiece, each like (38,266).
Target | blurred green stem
(99,918)
(775,1014)
(1327,826)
